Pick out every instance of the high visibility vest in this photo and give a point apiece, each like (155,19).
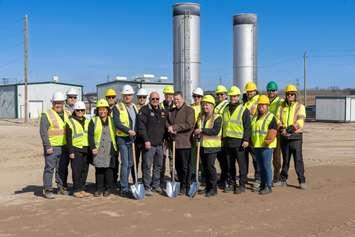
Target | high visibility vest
(79,134)
(233,123)
(56,130)
(124,118)
(252,105)
(98,131)
(220,107)
(210,141)
(275,105)
(291,114)
(260,128)
(197,110)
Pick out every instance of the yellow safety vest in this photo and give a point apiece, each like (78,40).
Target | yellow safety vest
(210,141)
(197,110)
(252,105)
(291,114)
(98,131)
(56,130)
(233,124)
(275,105)
(79,134)
(260,128)
(124,118)
(220,107)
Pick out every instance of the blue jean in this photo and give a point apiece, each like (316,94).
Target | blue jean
(125,149)
(264,157)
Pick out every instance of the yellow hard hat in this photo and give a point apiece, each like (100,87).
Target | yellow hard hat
(233,91)
(168,90)
(263,100)
(291,88)
(110,92)
(209,99)
(220,89)
(102,103)
(250,86)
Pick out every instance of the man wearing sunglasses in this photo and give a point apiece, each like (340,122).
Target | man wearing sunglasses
(111,97)
(291,116)
(142,95)
(275,102)
(72,96)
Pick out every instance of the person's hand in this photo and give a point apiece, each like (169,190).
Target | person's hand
(71,155)
(50,151)
(147,145)
(171,130)
(95,151)
(283,132)
(197,131)
(132,133)
(245,144)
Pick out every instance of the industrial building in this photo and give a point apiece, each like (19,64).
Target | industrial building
(147,81)
(39,98)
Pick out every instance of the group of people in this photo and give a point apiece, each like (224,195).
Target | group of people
(231,131)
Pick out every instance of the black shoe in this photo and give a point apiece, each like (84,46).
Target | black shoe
(157,190)
(211,193)
(239,190)
(265,191)
(228,188)
(98,194)
(125,194)
(107,193)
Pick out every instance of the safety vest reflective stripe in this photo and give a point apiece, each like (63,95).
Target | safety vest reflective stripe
(56,129)
(233,123)
(75,133)
(59,132)
(220,107)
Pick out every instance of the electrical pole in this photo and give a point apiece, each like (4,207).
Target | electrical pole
(305,78)
(26,66)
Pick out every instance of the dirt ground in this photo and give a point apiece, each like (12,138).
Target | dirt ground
(327,208)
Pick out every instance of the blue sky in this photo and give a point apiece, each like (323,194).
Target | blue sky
(84,41)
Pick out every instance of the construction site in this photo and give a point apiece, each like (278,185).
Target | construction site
(325,208)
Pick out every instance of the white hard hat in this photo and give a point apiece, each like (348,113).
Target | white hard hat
(72,91)
(198,91)
(58,96)
(79,105)
(142,92)
(127,90)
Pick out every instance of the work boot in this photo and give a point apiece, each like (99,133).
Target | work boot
(125,194)
(78,194)
(63,191)
(265,191)
(48,194)
(227,188)
(277,183)
(107,193)
(239,190)
(303,186)
(211,193)
(157,190)
(98,193)
(148,192)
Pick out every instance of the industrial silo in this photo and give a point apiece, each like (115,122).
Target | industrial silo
(186,52)
(244,49)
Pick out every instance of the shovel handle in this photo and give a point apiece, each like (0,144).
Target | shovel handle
(198,157)
(134,161)
(173,171)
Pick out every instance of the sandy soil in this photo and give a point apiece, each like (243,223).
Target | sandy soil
(327,208)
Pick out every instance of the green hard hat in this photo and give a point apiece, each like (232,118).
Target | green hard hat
(272,86)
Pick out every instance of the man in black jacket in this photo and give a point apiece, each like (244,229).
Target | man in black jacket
(151,129)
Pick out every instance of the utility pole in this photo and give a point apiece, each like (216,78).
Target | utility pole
(305,77)
(26,66)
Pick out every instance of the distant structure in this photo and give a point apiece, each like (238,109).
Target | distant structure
(186,47)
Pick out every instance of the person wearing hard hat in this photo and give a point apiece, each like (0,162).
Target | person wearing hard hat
(275,102)
(52,131)
(197,95)
(263,138)
(209,131)
(168,102)
(236,135)
(291,116)
(124,117)
(252,96)
(102,143)
(72,96)
(111,97)
(78,148)
(142,95)
(221,103)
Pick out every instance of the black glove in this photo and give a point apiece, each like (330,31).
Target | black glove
(290,129)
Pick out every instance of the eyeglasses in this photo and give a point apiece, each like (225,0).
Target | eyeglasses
(72,97)
(110,97)
(219,94)
(156,99)
(196,96)
(271,91)
(142,97)
(290,94)
(80,110)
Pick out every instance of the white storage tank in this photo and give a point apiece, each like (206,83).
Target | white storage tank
(335,108)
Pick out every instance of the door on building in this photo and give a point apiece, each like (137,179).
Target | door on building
(35,108)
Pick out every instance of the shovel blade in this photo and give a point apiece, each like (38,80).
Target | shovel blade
(138,191)
(172,189)
(193,189)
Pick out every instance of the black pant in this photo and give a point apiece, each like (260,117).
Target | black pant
(223,164)
(237,154)
(184,167)
(208,163)
(80,168)
(115,170)
(255,164)
(104,178)
(294,148)
(63,167)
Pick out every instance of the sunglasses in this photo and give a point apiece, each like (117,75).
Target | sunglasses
(142,97)
(157,99)
(110,97)
(197,96)
(219,94)
(80,110)
(72,97)
(271,91)
(290,94)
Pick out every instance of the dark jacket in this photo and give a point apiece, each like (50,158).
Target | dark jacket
(183,122)
(151,125)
